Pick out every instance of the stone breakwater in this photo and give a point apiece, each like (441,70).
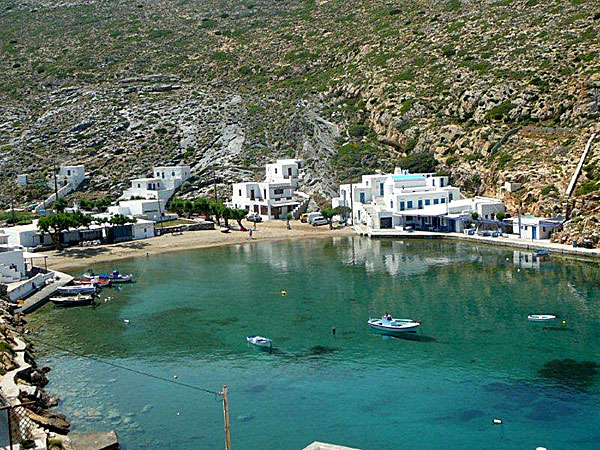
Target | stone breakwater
(22,382)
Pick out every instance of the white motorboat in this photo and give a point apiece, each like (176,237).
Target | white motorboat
(74,290)
(260,341)
(224,229)
(541,317)
(388,325)
(73,300)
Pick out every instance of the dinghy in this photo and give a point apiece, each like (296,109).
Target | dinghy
(541,317)
(74,290)
(260,341)
(74,300)
(388,325)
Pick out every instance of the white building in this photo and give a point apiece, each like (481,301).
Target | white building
(140,209)
(424,201)
(24,235)
(22,179)
(159,187)
(12,263)
(274,197)
(535,228)
(143,229)
(67,180)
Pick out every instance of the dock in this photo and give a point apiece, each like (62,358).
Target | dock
(42,296)
(503,241)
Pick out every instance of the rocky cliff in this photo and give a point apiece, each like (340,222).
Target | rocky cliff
(490,91)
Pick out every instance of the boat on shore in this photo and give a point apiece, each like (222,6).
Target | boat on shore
(74,290)
(73,300)
(388,325)
(260,342)
(541,317)
(224,230)
(113,277)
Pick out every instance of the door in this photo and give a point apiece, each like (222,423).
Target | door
(362,197)
(385,222)
(420,204)
(533,232)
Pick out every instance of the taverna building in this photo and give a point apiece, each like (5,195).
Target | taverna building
(403,200)
(276,196)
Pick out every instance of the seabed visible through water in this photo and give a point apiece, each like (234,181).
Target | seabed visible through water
(478,358)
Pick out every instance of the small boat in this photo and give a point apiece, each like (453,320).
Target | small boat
(388,325)
(114,276)
(541,317)
(73,300)
(98,282)
(74,290)
(260,341)
(224,230)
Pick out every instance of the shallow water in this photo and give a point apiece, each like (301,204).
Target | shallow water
(478,358)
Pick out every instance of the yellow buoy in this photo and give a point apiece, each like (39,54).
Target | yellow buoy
(283,293)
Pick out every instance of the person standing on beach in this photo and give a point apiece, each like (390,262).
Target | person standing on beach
(250,233)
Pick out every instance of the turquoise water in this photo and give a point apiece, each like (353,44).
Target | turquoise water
(478,357)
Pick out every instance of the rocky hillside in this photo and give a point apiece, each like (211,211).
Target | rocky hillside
(489,91)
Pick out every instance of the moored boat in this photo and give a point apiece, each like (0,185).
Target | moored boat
(98,282)
(74,290)
(113,277)
(73,300)
(260,341)
(388,325)
(541,317)
(224,230)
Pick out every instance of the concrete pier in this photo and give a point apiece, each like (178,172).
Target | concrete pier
(503,241)
(41,297)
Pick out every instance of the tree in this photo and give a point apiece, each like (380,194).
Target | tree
(500,215)
(343,212)
(474,216)
(288,217)
(202,206)
(328,214)
(121,220)
(188,207)
(215,210)
(225,213)
(176,205)
(55,224)
(238,215)
(60,204)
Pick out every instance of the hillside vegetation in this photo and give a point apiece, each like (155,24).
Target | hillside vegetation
(488,91)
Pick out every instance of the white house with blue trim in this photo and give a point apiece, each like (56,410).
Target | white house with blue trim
(535,228)
(420,200)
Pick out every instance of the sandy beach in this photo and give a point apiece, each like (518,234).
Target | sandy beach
(268,231)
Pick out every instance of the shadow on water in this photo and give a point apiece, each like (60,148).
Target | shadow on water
(578,375)
(409,337)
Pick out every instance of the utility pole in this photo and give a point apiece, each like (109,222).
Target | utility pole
(55,185)
(12,206)
(226,417)
(352,203)
(215,183)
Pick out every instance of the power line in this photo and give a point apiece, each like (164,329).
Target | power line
(128,369)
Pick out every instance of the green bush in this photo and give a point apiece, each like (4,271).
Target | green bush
(500,111)
(548,189)
(358,130)
(418,162)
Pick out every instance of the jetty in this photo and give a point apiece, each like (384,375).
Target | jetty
(42,296)
(503,241)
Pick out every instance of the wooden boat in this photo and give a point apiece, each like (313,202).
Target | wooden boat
(388,325)
(73,300)
(74,290)
(260,341)
(113,277)
(98,282)
(541,317)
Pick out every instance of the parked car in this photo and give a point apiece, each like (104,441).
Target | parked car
(312,216)
(320,220)
(254,217)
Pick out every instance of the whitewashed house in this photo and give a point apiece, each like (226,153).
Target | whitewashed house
(402,199)
(535,228)
(274,197)
(68,179)
(12,262)
(153,210)
(161,186)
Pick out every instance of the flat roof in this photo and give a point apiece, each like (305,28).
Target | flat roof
(408,177)
(146,179)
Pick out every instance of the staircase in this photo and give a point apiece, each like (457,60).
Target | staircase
(303,206)
(573,182)
(8,275)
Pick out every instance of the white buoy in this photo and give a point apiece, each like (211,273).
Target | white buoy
(497,422)
(541,448)
(178,413)
(126,320)
(175,377)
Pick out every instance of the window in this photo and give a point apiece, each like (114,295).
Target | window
(450,197)
(420,204)
(409,204)
(401,206)
(441,182)
(264,193)
(278,191)
(172,174)
(289,171)
(362,197)
(427,202)
(381,189)
(391,205)
(436,201)
(443,199)
(276,170)
(240,192)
